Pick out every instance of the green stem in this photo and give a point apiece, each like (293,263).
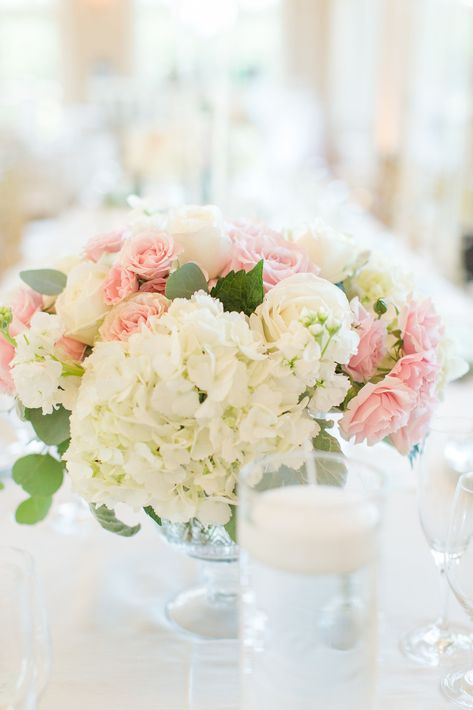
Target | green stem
(8,337)
(326,346)
(72,370)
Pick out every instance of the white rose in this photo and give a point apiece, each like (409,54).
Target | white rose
(81,305)
(452,365)
(297,296)
(333,252)
(200,231)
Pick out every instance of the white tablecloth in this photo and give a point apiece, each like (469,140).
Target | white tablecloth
(113,650)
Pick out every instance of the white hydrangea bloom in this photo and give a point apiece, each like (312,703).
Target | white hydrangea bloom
(169,417)
(38,370)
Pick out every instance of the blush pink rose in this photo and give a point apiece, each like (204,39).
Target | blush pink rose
(7,353)
(72,349)
(418,371)
(130,315)
(421,327)
(25,304)
(378,410)
(109,243)
(415,431)
(372,345)
(150,255)
(154,286)
(119,284)
(282,259)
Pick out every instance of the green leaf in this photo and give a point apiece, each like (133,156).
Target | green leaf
(110,522)
(329,472)
(48,282)
(231,526)
(149,510)
(414,453)
(185,281)
(63,447)
(38,474)
(53,428)
(241,291)
(2,485)
(33,510)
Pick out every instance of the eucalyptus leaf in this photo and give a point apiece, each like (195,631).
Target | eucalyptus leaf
(149,510)
(329,472)
(241,291)
(52,428)
(231,526)
(38,474)
(185,281)
(48,282)
(63,447)
(108,520)
(33,510)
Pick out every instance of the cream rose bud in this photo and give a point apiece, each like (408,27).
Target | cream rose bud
(333,252)
(200,231)
(81,306)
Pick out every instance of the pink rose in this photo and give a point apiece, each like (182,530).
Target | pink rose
(25,304)
(419,372)
(150,255)
(7,353)
(109,243)
(155,286)
(72,349)
(421,327)
(130,315)
(372,345)
(119,284)
(378,410)
(415,430)
(282,259)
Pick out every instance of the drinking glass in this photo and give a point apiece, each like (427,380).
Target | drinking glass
(24,639)
(447,454)
(458,685)
(308,534)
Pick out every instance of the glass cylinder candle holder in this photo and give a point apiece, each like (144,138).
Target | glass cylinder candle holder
(308,533)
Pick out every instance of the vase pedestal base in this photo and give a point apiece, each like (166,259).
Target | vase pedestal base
(196,613)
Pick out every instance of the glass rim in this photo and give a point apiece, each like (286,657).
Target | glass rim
(311,453)
(26,557)
(468,476)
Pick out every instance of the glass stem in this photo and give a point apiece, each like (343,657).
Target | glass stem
(442,622)
(221,581)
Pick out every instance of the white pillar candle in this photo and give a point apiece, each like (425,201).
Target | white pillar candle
(311,529)
(308,599)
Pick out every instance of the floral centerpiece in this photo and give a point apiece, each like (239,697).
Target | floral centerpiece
(172,352)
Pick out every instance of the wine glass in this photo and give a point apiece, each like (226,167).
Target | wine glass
(458,685)
(24,647)
(447,454)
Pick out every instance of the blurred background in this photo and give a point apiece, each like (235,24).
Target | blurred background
(278,109)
